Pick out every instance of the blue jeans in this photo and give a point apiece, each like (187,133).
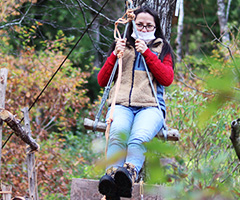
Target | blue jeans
(131,127)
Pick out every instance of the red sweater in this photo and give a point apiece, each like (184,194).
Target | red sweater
(162,71)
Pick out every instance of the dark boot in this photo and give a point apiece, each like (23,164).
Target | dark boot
(124,178)
(107,185)
(113,198)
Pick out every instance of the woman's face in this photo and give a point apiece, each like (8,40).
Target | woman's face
(145,22)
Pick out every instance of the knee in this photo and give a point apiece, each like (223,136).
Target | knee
(117,141)
(118,137)
(119,134)
(139,139)
(135,141)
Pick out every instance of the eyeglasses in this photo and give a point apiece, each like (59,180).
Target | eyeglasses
(149,27)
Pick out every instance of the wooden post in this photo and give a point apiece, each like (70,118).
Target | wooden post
(86,189)
(235,136)
(32,174)
(6,191)
(3,85)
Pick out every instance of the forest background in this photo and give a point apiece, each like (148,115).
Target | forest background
(201,103)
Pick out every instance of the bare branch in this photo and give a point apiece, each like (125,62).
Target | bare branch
(49,123)
(230,174)
(68,7)
(93,42)
(227,47)
(217,39)
(20,21)
(193,88)
(194,76)
(15,125)
(95,11)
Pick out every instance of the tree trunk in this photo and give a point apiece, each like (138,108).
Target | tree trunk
(165,9)
(228,8)
(3,85)
(180,32)
(223,21)
(95,37)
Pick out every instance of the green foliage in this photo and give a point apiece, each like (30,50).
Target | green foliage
(203,110)
(207,159)
(157,149)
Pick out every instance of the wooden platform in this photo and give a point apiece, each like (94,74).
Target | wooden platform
(172,134)
(86,189)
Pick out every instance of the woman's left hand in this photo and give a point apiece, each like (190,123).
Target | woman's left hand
(140,46)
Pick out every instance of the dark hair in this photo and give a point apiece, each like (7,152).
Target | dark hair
(158,33)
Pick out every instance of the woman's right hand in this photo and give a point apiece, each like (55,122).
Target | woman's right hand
(120,46)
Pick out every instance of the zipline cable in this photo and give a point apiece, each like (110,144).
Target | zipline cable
(60,66)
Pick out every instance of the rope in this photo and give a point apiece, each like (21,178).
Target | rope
(108,87)
(130,17)
(60,66)
(110,119)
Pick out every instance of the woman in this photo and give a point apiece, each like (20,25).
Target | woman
(137,118)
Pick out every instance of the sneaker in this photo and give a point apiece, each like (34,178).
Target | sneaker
(124,178)
(107,185)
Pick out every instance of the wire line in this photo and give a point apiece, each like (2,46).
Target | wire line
(60,66)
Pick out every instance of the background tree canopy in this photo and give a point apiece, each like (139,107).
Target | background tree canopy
(36,36)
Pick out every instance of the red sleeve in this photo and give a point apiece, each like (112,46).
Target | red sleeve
(105,72)
(162,71)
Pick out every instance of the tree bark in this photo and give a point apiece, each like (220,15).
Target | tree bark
(235,136)
(15,125)
(165,9)
(228,8)
(96,35)
(180,32)
(223,21)
(3,86)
